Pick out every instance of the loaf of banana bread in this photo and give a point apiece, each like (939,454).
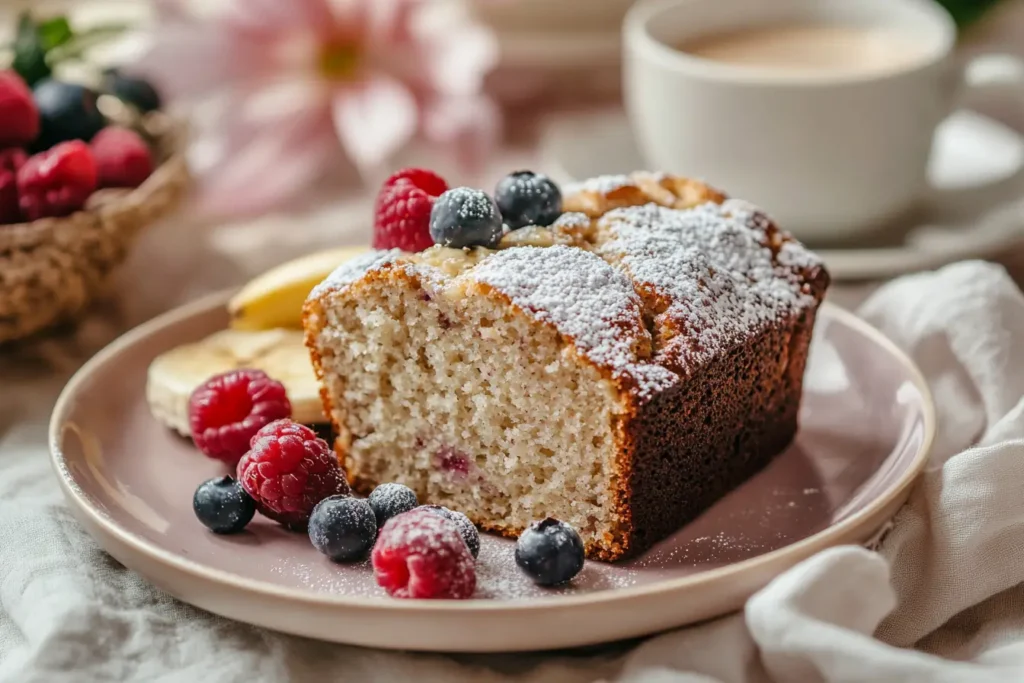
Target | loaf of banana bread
(620,370)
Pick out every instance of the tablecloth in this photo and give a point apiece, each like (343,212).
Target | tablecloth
(941,599)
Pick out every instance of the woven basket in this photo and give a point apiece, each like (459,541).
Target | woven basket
(51,269)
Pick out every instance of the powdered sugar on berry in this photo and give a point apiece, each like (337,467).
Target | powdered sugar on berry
(420,554)
(473,204)
(585,299)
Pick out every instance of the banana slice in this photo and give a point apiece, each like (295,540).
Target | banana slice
(280,353)
(274,299)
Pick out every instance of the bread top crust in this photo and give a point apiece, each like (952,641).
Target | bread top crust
(646,276)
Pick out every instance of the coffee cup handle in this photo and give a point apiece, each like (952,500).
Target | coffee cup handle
(992,76)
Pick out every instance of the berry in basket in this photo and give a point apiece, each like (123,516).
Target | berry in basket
(84,166)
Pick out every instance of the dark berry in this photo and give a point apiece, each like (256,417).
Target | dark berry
(550,552)
(419,554)
(464,217)
(528,198)
(388,500)
(135,91)
(466,528)
(227,410)
(288,470)
(67,111)
(343,528)
(223,505)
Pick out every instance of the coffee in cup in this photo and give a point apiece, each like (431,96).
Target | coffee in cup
(821,111)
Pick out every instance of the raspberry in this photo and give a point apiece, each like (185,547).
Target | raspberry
(227,410)
(420,554)
(288,470)
(19,117)
(428,181)
(10,161)
(402,215)
(56,182)
(122,157)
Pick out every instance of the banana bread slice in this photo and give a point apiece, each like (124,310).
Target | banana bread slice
(621,370)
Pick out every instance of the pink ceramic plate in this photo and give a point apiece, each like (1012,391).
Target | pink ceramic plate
(867,423)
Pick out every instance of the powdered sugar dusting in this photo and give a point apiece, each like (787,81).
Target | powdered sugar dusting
(571,220)
(606,184)
(352,270)
(713,266)
(498,577)
(584,298)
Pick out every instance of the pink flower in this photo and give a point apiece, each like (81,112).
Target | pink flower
(288,89)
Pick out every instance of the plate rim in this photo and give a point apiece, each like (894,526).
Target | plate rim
(152,552)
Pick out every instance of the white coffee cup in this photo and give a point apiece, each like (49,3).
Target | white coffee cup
(827,154)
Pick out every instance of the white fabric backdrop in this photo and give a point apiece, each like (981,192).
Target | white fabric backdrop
(941,601)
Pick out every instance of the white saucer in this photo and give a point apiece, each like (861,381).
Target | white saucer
(977,162)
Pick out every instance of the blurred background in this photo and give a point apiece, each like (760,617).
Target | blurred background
(285,157)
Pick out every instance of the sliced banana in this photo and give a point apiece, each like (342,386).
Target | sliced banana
(174,375)
(274,299)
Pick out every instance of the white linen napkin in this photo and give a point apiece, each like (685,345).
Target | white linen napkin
(942,600)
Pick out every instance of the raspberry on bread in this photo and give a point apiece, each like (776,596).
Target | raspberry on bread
(402,211)
(620,370)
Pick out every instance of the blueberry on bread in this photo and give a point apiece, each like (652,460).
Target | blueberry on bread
(619,370)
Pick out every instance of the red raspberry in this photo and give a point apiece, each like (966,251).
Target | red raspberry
(420,554)
(10,161)
(226,411)
(19,117)
(428,181)
(402,215)
(288,471)
(56,182)
(122,157)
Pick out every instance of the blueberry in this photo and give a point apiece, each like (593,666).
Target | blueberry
(66,112)
(343,528)
(550,552)
(134,91)
(223,506)
(388,500)
(466,528)
(463,217)
(528,198)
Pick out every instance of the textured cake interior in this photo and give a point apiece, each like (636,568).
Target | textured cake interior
(469,402)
